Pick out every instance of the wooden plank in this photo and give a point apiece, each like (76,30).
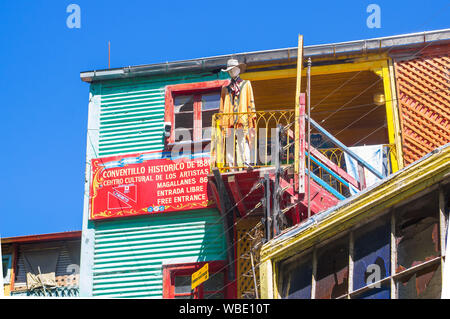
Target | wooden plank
(416,85)
(297,147)
(418,116)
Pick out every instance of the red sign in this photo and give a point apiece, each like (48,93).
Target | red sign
(139,185)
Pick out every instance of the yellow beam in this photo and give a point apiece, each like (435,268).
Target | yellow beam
(315,70)
(392,119)
(396,112)
(266,284)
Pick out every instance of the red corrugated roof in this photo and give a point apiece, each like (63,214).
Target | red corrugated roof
(42,237)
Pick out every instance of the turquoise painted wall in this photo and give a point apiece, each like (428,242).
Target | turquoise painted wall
(124,257)
(129,253)
(132,112)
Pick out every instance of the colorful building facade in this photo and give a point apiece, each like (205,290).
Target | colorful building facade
(138,243)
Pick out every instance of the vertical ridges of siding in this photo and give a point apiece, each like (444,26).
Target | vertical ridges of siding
(131,121)
(132,113)
(129,253)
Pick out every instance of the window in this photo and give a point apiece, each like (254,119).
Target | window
(332,270)
(6,266)
(177,281)
(395,255)
(190,107)
(297,283)
(193,116)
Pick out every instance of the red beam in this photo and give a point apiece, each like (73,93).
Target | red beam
(44,237)
(237,196)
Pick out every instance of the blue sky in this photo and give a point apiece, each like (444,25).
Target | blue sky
(45,104)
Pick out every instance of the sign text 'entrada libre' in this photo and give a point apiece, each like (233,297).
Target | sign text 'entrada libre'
(145,184)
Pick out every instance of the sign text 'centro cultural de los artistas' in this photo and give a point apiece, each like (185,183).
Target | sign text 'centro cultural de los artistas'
(142,184)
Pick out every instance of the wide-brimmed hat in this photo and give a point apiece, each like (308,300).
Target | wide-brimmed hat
(232,63)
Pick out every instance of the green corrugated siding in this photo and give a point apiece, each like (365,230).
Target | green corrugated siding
(129,253)
(132,113)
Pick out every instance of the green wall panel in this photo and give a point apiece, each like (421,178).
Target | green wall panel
(132,112)
(129,253)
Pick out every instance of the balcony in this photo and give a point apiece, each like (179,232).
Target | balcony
(268,141)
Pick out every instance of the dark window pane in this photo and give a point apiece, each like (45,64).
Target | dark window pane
(332,270)
(207,118)
(424,284)
(417,232)
(5,266)
(214,282)
(297,278)
(183,135)
(182,284)
(382,292)
(371,253)
(211,101)
(183,103)
(184,120)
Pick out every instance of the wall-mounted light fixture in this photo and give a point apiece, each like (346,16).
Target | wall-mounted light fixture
(378,99)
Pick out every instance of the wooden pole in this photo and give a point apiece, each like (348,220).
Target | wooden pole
(299,184)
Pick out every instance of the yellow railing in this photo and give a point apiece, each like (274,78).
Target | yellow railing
(240,140)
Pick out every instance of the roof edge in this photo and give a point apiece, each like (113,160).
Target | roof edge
(208,64)
(42,237)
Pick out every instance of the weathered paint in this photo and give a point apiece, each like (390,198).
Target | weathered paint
(125,116)
(400,186)
(129,254)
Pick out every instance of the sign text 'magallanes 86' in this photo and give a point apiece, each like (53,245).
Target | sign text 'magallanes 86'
(139,184)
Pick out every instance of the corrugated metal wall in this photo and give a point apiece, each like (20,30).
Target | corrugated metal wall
(132,113)
(129,253)
(423,90)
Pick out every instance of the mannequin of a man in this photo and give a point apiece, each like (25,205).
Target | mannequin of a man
(237,97)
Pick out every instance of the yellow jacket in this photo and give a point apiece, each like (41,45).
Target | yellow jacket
(244,103)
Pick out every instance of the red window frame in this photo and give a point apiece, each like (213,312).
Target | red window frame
(196,89)
(171,271)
